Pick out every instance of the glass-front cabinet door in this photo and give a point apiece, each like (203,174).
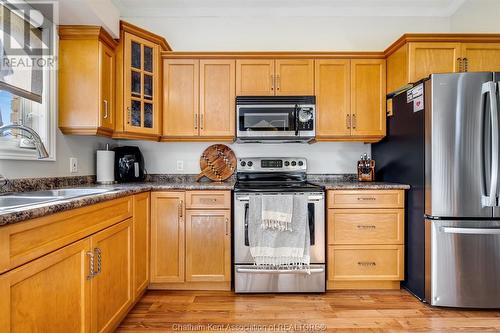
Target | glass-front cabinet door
(141,71)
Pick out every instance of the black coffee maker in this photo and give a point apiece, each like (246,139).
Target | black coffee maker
(129,164)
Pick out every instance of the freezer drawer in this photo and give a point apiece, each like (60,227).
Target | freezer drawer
(249,279)
(465,264)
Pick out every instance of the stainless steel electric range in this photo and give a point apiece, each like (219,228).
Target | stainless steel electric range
(277,176)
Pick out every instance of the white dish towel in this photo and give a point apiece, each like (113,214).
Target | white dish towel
(277,212)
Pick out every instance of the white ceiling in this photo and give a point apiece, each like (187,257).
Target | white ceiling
(300,8)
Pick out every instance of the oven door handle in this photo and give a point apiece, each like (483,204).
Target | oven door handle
(247,241)
(280,271)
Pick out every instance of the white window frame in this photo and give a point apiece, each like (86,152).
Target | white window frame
(9,147)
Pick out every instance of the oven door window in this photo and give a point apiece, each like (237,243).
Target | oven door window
(269,119)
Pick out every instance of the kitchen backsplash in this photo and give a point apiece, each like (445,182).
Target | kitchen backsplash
(322,157)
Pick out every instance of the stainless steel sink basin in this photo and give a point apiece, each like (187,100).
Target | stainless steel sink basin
(23,199)
(11,202)
(65,192)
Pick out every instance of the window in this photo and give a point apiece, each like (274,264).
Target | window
(27,92)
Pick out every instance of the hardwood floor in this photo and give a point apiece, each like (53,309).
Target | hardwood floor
(340,311)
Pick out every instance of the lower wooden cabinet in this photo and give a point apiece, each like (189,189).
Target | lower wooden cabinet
(50,294)
(208,245)
(85,284)
(191,240)
(365,239)
(112,283)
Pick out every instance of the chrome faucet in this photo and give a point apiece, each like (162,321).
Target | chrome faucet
(33,137)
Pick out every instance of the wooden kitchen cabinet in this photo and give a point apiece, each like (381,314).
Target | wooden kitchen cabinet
(217,98)
(112,283)
(333,98)
(86,61)
(481,57)
(414,57)
(141,243)
(255,77)
(181,98)
(49,294)
(294,77)
(365,239)
(368,98)
(199,100)
(350,99)
(280,77)
(139,84)
(208,245)
(167,237)
(191,243)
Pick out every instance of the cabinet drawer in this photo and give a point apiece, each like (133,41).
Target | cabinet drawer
(365,226)
(25,241)
(363,262)
(366,199)
(208,199)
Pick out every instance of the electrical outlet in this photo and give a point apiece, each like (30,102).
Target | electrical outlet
(73,165)
(180,165)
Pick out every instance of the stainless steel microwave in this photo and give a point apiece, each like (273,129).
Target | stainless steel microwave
(275,119)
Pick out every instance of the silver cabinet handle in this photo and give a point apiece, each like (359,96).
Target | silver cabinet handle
(279,271)
(91,264)
(105,109)
(202,123)
(195,121)
(367,263)
(272,82)
(99,260)
(471,231)
(489,88)
(129,115)
(353,121)
(348,121)
(365,226)
(181,203)
(227,226)
(466,64)
(278,82)
(460,64)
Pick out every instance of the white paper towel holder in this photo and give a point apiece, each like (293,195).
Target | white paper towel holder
(108,170)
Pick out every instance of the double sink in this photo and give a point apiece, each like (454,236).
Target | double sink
(12,201)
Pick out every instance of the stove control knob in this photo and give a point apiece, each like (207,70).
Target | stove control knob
(287,163)
(301,163)
(243,163)
(250,163)
(294,163)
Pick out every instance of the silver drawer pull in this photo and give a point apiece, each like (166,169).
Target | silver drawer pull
(279,271)
(471,231)
(367,263)
(367,198)
(365,227)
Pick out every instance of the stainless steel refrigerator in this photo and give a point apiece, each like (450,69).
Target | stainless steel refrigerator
(443,140)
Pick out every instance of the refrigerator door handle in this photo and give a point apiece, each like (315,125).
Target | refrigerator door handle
(489,88)
(471,231)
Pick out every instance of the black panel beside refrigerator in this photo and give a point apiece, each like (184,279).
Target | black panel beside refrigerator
(400,159)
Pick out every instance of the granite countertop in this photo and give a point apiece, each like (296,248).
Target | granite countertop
(155,183)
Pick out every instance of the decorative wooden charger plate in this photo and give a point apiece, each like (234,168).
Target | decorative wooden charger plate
(217,163)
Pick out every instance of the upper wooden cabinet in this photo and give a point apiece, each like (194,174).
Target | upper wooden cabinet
(478,57)
(368,98)
(199,100)
(86,81)
(138,88)
(413,58)
(350,102)
(268,77)
(333,98)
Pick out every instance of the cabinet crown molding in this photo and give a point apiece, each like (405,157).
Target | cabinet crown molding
(140,32)
(83,32)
